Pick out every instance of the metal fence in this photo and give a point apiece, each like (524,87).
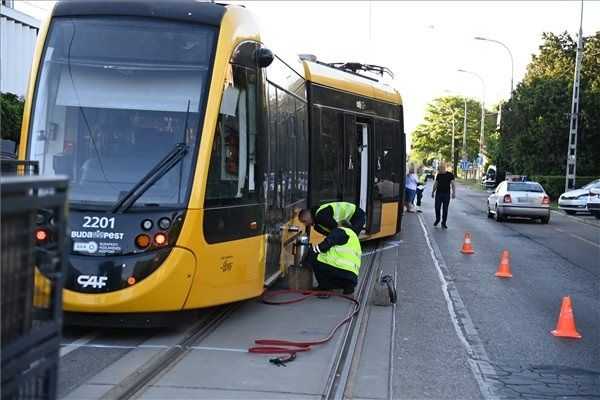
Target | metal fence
(32,239)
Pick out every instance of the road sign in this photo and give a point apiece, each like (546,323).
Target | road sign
(464,164)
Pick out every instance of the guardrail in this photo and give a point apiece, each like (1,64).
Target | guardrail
(32,270)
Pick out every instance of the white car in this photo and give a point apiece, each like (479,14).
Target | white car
(519,199)
(593,202)
(576,200)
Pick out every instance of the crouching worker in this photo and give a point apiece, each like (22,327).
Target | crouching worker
(336,260)
(331,215)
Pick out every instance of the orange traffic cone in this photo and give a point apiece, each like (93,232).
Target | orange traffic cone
(565,326)
(467,248)
(504,266)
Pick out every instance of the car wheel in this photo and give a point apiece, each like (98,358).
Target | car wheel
(596,214)
(499,217)
(570,212)
(545,220)
(490,215)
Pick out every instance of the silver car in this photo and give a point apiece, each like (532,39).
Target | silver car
(519,199)
(593,202)
(576,200)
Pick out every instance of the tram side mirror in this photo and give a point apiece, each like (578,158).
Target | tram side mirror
(264,57)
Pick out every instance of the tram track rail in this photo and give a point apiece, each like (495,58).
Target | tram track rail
(134,384)
(339,383)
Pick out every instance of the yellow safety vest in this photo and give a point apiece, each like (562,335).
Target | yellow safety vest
(346,256)
(342,211)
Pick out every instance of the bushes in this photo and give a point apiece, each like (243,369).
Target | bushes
(555,184)
(11,108)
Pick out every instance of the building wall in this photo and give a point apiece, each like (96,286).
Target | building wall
(18,33)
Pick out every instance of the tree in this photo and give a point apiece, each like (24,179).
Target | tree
(433,138)
(11,114)
(536,119)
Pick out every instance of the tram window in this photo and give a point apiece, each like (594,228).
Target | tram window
(329,155)
(232,172)
(388,156)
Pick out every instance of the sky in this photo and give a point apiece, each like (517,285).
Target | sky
(423,42)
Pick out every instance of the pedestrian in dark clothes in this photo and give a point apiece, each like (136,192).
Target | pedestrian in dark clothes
(443,189)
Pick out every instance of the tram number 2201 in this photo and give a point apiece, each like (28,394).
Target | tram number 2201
(98,222)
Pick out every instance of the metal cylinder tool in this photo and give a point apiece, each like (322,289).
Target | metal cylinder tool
(384,293)
(300,275)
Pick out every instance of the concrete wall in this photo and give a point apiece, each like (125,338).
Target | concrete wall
(18,33)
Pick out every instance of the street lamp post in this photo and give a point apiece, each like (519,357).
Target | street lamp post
(481,132)
(512,62)
(464,142)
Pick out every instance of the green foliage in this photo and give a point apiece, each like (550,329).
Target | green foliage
(11,114)
(535,124)
(433,138)
(555,184)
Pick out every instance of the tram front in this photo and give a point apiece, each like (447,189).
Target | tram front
(118,104)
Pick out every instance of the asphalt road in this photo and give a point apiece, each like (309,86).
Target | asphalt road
(513,318)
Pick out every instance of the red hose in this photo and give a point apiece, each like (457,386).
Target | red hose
(291,347)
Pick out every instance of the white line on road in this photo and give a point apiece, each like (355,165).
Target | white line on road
(477,356)
(69,347)
(578,237)
(146,346)
(394,244)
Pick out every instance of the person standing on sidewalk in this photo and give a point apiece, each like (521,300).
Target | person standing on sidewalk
(421,182)
(410,189)
(443,189)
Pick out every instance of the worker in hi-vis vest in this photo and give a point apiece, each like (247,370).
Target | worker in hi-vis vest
(336,260)
(329,216)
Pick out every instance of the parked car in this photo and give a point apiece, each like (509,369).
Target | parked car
(428,171)
(519,199)
(488,181)
(576,200)
(593,202)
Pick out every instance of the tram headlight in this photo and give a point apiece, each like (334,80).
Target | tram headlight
(164,223)
(160,239)
(142,241)
(147,224)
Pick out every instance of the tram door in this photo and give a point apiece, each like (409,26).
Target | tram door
(358,138)
(274,213)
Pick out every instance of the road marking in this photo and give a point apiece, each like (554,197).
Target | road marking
(394,244)
(576,219)
(461,321)
(578,237)
(218,349)
(69,347)
(143,346)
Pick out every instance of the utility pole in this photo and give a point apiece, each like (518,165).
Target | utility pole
(574,118)
(453,131)
(464,144)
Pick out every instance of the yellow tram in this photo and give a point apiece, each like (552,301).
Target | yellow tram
(190,147)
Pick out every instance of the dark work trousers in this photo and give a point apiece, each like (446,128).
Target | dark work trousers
(330,277)
(441,199)
(419,197)
(358,220)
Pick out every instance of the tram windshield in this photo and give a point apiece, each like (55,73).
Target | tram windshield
(114,96)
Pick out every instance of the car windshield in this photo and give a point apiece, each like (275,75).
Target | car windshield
(525,187)
(592,185)
(114,96)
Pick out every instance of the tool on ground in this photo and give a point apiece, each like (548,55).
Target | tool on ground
(565,327)
(291,347)
(300,275)
(384,292)
(467,247)
(504,266)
